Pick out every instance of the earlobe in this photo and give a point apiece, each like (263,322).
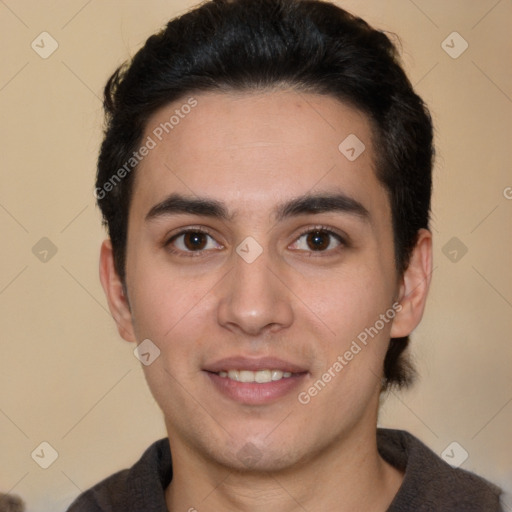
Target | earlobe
(414,287)
(114,291)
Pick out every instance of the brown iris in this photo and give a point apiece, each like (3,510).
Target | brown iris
(318,240)
(194,240)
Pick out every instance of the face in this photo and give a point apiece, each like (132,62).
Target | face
(260,262)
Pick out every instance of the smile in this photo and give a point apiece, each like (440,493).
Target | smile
(255,381)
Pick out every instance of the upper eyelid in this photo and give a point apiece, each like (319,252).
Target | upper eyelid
(319,228)
(341,239)
(184,231)
(332,231)
(169,241)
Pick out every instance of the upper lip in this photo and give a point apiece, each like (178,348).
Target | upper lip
(253,364)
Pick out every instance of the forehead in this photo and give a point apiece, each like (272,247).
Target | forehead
(254,149)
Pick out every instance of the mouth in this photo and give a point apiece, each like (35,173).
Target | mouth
(255,381)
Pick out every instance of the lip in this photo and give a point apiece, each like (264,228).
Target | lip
(253,393)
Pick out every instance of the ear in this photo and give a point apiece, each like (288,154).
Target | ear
(113,287)
(414,287)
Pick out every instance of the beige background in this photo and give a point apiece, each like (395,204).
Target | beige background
(65,376)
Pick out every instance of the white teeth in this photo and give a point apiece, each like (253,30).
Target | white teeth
(277,374)
(233,375)
(246,376)
(261,376)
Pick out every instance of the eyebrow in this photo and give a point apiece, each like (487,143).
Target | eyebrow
(322,203)
(176,204)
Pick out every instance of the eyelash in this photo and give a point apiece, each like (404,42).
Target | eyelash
(343,243)
(169,242)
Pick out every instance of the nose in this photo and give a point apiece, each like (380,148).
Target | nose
(254,301)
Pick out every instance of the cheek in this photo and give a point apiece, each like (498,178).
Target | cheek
(161,298)
(350,304)
(350,299)
(163,312)
(173,319)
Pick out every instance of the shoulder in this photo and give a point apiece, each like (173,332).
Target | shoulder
(429,482)
(106,496)
(127,489)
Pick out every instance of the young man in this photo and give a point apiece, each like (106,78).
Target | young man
(265,178)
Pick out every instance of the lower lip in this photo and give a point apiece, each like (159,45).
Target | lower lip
(252,393)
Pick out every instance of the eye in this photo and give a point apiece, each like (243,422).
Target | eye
(193,241)
(317,240)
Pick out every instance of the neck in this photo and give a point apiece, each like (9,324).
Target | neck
(348,477)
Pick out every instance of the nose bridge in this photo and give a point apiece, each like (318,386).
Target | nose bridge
(253,281)
(253,299)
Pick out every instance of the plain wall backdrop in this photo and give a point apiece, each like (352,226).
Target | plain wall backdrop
(67,379)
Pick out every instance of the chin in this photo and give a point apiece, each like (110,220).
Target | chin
(257,457)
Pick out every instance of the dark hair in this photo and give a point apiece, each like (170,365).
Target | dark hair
(247,45)
(11,503)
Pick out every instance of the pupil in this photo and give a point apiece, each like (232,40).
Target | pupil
(195,241)
(318,240)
